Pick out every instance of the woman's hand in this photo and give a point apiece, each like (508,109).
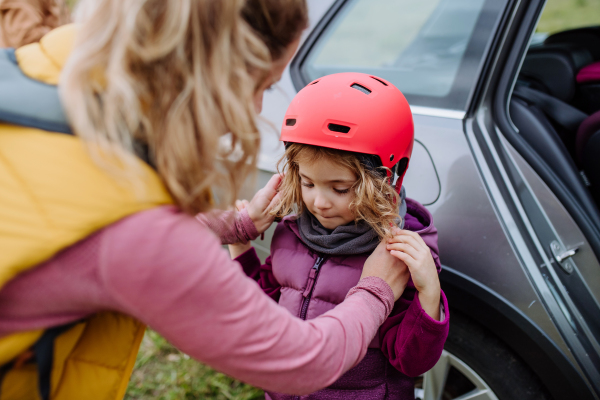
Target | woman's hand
(387,267)
(263,201)
(411,249)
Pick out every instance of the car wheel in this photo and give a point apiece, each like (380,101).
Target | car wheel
(476,365)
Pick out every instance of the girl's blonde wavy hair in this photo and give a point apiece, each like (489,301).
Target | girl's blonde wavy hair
(374,200)
(173,78)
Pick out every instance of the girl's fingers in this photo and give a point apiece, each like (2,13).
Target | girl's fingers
(408,239)
(406,248)
(405,258)
(419,239)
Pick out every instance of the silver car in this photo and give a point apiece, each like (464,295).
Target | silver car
(495,163)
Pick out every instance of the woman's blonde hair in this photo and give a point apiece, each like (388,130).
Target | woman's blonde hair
(172,78)
(374,200)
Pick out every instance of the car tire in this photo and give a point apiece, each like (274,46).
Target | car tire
(477,364)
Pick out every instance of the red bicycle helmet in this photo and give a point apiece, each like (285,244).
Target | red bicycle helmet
(353,112)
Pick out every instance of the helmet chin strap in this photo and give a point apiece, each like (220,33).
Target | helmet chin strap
(398,184)
(373,163)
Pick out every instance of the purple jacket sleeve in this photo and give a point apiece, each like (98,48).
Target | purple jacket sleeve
(411,339)
(262,274)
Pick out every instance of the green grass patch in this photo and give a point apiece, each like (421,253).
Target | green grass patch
(560,15)
(163,372)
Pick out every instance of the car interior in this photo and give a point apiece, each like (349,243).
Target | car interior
(556,107)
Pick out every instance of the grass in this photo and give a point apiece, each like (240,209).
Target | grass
(163,372)
(560,15)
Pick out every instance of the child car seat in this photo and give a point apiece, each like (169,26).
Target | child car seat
(541,111)
(587,96)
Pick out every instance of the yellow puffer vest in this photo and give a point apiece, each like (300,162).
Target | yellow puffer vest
(52,195)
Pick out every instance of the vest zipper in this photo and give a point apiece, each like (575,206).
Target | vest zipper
(307,294)
(312,279)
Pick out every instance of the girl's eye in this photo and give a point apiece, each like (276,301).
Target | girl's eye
(342,191)
(308,185)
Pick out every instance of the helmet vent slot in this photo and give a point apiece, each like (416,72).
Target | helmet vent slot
(361,88)
(401,166)
(380,81)
(290,122)
(315,82)
(338,128)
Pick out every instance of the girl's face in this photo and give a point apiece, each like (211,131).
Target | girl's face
(327,191)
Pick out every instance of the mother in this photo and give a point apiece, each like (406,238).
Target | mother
(95,243)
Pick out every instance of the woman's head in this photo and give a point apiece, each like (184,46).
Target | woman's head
(336,187)
(279,25)
(175,76)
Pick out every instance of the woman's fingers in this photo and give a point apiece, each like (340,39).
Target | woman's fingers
(270,189)
(241,204)
(274,201)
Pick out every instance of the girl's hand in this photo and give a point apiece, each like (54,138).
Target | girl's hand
(383,265)
(262,202)
(410,248)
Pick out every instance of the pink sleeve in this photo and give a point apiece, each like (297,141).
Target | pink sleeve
(184,285)
(230,226)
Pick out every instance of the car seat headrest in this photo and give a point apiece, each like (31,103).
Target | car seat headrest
(588,38)
(555,67)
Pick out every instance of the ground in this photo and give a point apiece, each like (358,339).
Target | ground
(163,372)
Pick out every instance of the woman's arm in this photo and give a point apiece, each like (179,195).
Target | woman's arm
(170,272)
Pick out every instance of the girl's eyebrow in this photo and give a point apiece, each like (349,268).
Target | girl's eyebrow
(331,181)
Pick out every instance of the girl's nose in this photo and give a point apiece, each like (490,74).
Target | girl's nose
(321,202)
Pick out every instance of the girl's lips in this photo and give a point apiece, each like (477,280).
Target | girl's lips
(324,217)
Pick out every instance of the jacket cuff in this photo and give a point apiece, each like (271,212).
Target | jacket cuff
(245,226)
(378,288)
(426,319)
(249,261)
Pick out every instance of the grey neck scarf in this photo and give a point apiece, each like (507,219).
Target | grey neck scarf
(350,239)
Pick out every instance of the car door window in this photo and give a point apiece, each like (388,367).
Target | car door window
(430,49)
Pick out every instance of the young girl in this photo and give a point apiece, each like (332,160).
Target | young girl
(345,135)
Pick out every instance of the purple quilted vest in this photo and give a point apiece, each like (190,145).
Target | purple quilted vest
(312,284)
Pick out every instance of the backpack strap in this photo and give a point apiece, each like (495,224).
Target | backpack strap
(44,357)
(27,102)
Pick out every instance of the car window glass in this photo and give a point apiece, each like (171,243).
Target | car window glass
(421,47)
